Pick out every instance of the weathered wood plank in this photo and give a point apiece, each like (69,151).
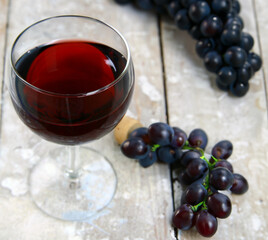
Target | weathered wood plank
(195,102)
(142,206)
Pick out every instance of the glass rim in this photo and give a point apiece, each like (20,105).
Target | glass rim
(128,62)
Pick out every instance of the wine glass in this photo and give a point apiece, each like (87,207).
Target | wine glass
(71,81)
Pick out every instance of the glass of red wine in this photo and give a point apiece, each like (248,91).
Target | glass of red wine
(71,82)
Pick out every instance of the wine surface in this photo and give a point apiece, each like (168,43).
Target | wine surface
(71,94)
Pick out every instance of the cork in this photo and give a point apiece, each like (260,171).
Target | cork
(124,128)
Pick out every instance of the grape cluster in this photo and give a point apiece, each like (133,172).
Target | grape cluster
(204,177)
(217,27)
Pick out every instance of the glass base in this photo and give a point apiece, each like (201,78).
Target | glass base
(73,199)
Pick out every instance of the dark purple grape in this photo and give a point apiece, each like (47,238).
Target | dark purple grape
(213,61)
(240,184)
(146,5)
(227,75)
(184,179)
(198,11)
(219,205)
(211,26)
(196,168)
(168,154)
(255,61)
(206,224)
(135,148)
(234,21)
(245,73)
(231,37)
(182,20)
(198,138)
(246,41)
(222,86)
(173,7)
(142,133)
(183,217)
(239,88)
(160,133)
(179,139)
(222,150)
(236,6)
(188,156)
(221,7)
(221,178)
(203,46)
(225,164)
(149,159)
(195,193)
(235,56)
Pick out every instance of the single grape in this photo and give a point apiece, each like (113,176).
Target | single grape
(168,154)
(142,133)
(195,193)
(236,6)
(234,21)
(144,4)
(213,61)
(255,61)
(221,7)
(173,7)
(179,139)
(211,26)
(160,133)
(245,73)
(149,159)
(203,46)
(135,148)
(240,184)
(182,20)
(219,205)
(226,75)
(198,138)
(222,150)
(235,56)
(221,178)
(225,164)
(231,37)
(196,168)
(188,156)
(185,179)
(246,41)
(206,224)
(221,85)
(239,88)
(183,217)
(199,11)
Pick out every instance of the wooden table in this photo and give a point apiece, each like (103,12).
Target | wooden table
(171,85)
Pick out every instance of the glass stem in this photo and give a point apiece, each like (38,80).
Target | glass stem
(72,172)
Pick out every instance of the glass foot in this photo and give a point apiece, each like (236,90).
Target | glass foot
(73,199)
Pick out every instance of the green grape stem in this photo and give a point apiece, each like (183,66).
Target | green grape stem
(155,147)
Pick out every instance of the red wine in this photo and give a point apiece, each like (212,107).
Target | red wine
(69,99)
